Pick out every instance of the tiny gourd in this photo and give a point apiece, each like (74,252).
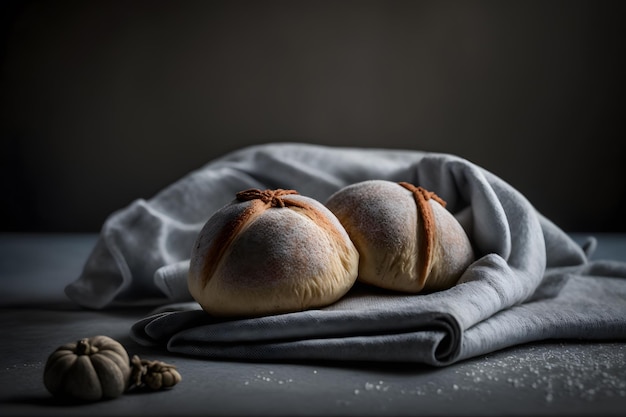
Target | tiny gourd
(155,375)
(91,369)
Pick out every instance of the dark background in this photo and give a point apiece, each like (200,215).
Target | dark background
(104,102)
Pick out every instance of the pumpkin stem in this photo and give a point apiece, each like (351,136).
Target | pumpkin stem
(82,347)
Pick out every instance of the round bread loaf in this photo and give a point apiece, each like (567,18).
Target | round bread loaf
(270,252)
(406,239)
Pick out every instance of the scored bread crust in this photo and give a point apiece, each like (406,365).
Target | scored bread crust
(406,238)
(270,252)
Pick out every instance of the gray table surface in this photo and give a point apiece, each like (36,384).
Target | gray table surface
(548,378)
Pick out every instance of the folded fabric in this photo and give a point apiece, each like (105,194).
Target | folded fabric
(524,262)
(583,302)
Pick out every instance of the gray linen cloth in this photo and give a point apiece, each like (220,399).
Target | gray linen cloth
(530,280)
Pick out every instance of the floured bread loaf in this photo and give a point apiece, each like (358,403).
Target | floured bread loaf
(406,239)
(270,252)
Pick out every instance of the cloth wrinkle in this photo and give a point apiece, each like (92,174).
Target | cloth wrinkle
(530,281)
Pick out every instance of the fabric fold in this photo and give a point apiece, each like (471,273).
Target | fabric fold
(354,328)
(590,305)
(587,302)
(527,274)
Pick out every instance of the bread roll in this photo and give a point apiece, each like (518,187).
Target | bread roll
(270,252)
(406,239)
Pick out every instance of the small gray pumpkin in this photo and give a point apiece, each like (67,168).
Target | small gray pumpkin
(91,369)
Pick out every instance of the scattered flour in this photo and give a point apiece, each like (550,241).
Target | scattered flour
(583,372)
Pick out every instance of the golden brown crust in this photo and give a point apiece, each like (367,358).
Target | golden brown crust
(260,200)
(428,226)
(406,238)
(269,252)
(381,219)
(222,241)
